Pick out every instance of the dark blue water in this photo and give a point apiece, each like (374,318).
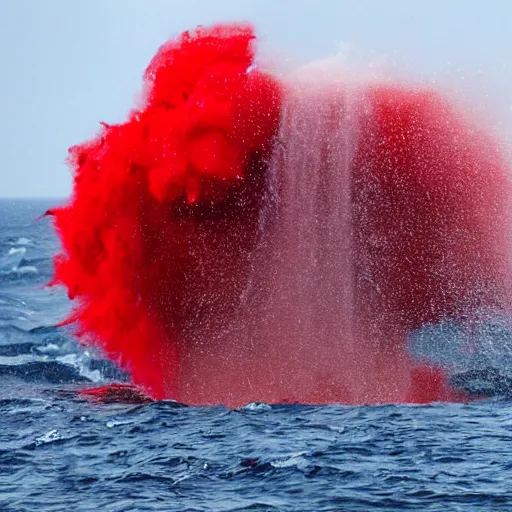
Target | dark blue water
(61,452)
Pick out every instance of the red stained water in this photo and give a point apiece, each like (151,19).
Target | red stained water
(247,238)
(116,393)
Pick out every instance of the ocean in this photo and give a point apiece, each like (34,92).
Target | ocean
(61,451)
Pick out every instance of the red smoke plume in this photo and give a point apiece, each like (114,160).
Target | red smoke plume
(159,234)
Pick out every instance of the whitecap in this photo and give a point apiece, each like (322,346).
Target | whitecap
(256,406)
(25,269)
(115,423)
(23,241)
(50,437)
(50,348)
(294,460)
(80,362)
(17,250)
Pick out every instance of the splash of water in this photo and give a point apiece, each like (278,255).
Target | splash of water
(246,238)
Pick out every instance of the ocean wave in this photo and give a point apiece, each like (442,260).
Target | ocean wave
(13,334)
(50,354)
(53,372)
(11,259)
(16,349)
(18,273)
(17,261)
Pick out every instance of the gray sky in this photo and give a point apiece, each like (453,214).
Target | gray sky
(67,64)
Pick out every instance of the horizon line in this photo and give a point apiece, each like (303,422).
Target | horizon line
(17,198)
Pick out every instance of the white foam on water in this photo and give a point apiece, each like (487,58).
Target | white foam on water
(16,250)
(25,269)
(80,361)
(23,241)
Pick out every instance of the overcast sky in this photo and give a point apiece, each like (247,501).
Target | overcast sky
(67,64)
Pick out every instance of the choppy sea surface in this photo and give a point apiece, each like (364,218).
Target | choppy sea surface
(60,451)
